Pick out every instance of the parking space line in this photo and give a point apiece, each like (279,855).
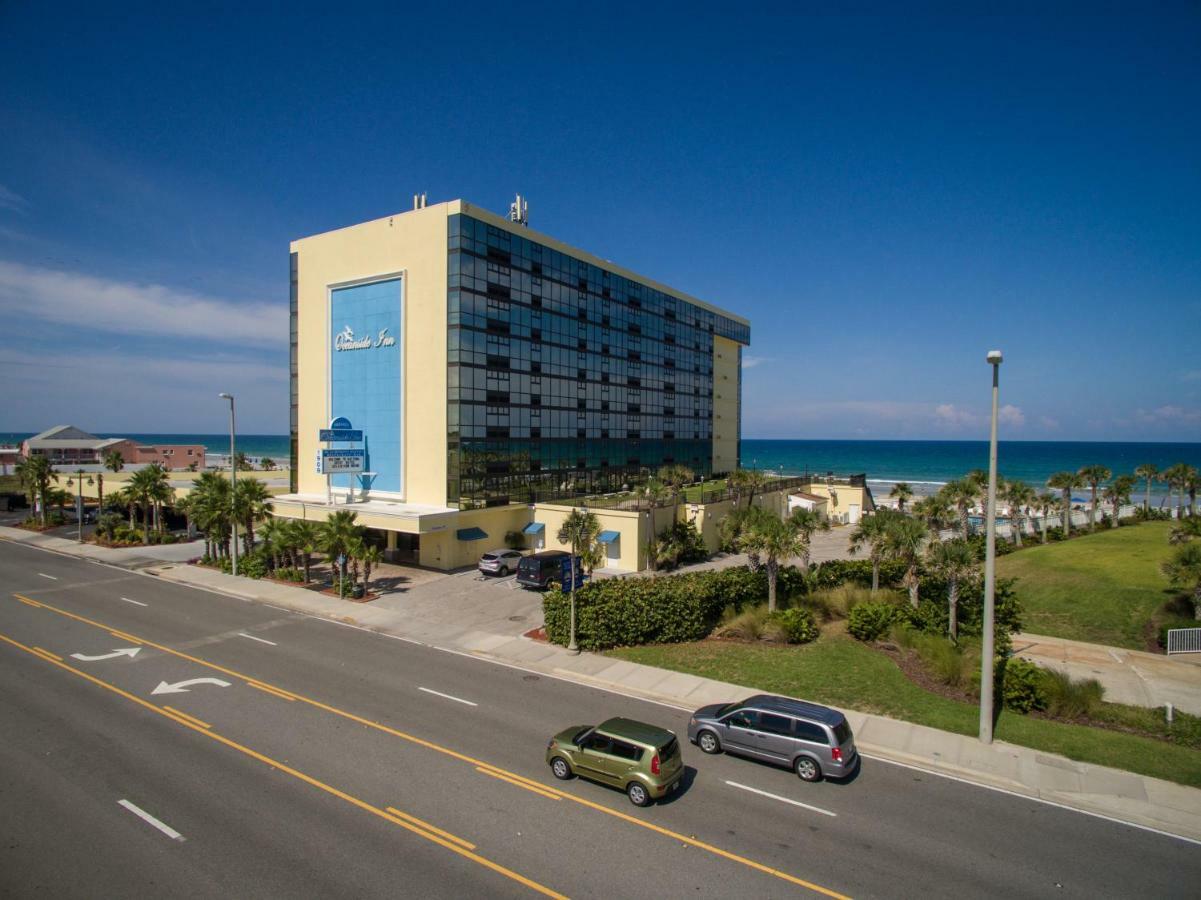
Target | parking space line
(447,696)
(146,817)
(135,602)
(259,639)
(51,577)
(421,823)
(817,809)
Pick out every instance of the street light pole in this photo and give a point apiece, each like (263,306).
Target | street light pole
(79,507)
(987,663)
(233,482)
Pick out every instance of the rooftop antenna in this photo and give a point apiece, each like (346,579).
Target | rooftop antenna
(519,211)
(419,201)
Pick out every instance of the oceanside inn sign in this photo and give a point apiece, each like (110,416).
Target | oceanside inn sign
(347,340)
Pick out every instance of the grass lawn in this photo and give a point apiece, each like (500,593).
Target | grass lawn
(1101,588)
(840,671)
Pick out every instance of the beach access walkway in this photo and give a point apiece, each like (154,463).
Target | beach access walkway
(495,632)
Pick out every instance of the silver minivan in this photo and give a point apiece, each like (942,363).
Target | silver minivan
(810,739)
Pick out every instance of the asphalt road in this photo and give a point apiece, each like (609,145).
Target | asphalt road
(330,761)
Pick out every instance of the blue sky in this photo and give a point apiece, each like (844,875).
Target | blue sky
(886,197)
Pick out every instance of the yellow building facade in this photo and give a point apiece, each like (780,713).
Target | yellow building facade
(488,370)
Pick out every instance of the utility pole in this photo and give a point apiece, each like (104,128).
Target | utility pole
(987,663)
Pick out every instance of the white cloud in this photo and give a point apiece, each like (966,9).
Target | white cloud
(749,362)
(115,392)
(1011,415)
(10,199)
(1048,422)
(949,415)
(71,298)
(1169,415)
(1194,375)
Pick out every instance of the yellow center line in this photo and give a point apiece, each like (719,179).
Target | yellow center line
(521,784)
(48,653)
(421,823)
(120,635)
(462,757)
(192,719)
(295,773)
(272,691)
(28,602)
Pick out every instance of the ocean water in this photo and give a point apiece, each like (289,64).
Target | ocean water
(925,465)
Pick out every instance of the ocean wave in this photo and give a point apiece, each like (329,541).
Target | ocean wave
(903,481)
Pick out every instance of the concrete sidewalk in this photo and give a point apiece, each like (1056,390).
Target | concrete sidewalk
(1124,796)
(1128,676)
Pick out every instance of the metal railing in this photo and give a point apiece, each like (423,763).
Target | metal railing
(1184,640)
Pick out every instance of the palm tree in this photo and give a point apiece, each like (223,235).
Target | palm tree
(1147,471)
(579,531)
(338,534)
(774,540)
(140,490)
(1045,503)
(1019,496)
(272,535)
(160,492)
(872,532)
(903,494)
(675,477)
(242,461)
(904,541)
(370,558)
(1117,493)
(934,510)
(1175,478)
(1184,570)
(212,511)
(267,463)
(114,461)
(962,495)
(955,561)
(252,503)
(807,521)
(1092,476)
(1065,482)
(1190,487)
(36,474)
(307,538)
(1185,531)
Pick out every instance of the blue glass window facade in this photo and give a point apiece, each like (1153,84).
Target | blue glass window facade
(366,366)
(566,378)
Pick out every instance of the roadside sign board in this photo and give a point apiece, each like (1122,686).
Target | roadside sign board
(338,462)
(352,435)
(340,423)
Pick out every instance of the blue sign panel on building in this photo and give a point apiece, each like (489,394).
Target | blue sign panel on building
(352,435)
(366,356)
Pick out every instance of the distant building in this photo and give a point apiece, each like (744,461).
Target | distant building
(66,445)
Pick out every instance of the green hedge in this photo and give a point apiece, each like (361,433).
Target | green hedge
(617,612)
(868,621)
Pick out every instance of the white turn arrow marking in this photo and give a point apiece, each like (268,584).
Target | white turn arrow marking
(131,652)
(181,687)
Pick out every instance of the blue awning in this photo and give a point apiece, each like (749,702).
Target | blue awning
(608,537)
(471,534)
(534,528)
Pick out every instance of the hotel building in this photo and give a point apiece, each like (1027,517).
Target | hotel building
(494,370)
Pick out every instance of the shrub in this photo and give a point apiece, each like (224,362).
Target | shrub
(679,544)
(253,566)
(868,621)
(1022,685)
(1069,698)
(1162,637)
(667,609)
(287,573)
(514,540)
(837,602)
(797,625)
(745,626)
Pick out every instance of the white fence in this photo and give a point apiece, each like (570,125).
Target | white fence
(1184,640)
(1032,525)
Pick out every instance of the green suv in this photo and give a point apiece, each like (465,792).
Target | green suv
(640,759)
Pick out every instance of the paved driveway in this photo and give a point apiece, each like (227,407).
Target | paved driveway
(1128,676)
